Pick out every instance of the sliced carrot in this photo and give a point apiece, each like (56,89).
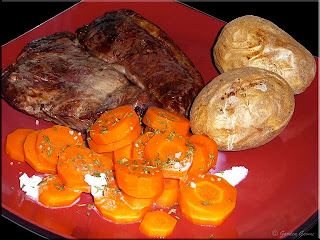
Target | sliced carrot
(157,224)
(148,129)
(206,199)
(109,155)
(32,157)
(205,155)
(114,125)
(137,203)
(75,162)
(138,178)
(163,120)
(53,193)
(112,206)
(139,145)
(52,141)
(14,143)
(101,148)
(124,152)
(172,152)
(169,196)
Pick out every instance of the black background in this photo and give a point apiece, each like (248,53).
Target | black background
(299,19)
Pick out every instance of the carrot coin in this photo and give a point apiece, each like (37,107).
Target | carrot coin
(54,193)
(157,224)
(101,148)
(114,125)
(172,152)
(52,141)
(163,120)
(112,206)
(205,156)
(138,178)
(32,157)
(169,196)
(206,199)
(14,143)
(75,162)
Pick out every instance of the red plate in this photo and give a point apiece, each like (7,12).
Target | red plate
(280,192)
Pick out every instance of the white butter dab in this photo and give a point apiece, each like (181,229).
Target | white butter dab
(234,175)
(30,185)
(98,184)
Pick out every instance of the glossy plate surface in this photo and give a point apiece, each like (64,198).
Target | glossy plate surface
(279,194)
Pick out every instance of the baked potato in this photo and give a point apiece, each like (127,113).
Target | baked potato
(251,41)
(243,108)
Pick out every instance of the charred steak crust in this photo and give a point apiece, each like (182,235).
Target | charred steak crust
(58,81)
(146,55)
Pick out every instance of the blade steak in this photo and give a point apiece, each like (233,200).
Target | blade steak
(58,81)
(146,55)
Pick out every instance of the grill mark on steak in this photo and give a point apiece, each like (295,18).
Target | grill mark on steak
(58,81)
(147,56)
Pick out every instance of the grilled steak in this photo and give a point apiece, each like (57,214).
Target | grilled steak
(58,81)
(145,55)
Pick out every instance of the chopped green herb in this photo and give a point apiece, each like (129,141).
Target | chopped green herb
(59,186)
(173,210)
(81,205)
(123,161)
(205,203)
(46,138)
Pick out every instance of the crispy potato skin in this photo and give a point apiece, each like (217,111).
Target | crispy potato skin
(243,108)
(251,41)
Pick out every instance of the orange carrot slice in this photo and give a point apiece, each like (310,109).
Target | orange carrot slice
(206,199)
(112,206)
(157,224)
(124,152)
(109,155)
(101,148)
(138,178)
(114,125)
(32,157)
(14,143)
(169,196)
(163,120)
(75,162)
(172,152)
(139,145)
(137,203)
(53,193)
(205,156)
(52,141)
